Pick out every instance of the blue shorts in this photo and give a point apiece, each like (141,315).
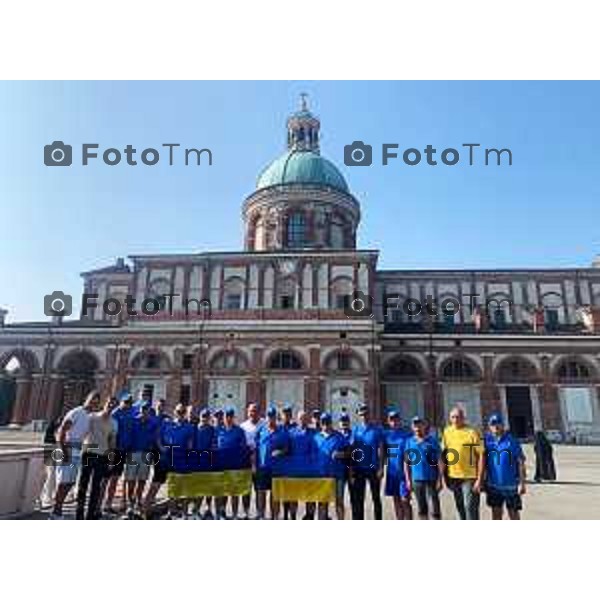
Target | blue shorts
(395,485)
(263,480)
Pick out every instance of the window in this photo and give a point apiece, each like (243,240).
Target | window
(499,317)
(286,301)
(148,392)
(152,361)
(188,362)
(233,301)
(233,292)
(296,230)
(573,369)
(551,319)
(342,301)
(185,394)
(344,362)
(228,360)
(458,369)
(285,360)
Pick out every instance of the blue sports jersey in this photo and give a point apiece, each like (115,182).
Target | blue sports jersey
(266,442)
(394,442)
(369,436)
(144,434)
(205,438)
(327,446)
(178,437)
(124,418)
(302,442)
(232,450)
(503,456)
(425,454)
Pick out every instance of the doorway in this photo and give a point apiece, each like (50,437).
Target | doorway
(519,409)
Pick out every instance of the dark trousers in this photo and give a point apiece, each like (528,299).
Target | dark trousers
(358,485)
(94,468)
(465,499)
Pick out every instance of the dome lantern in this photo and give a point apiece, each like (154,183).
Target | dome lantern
(303,129)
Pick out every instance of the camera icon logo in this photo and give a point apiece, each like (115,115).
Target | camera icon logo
(358,154)
(362,456)
(58,154)
(58,304)
(358,305)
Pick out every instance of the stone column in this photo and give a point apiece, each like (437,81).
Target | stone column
(489,392)
(22,406)
(55,395)
(312,383)
(372,388)
(549,401)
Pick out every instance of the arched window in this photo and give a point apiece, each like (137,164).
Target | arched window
(573,369)
(228,360)
(516,370)
(287,293)
(457,369)
(342,292)
(158,289)
(343,361)
(404,368)
(296,230)
(233,294)
(284,359)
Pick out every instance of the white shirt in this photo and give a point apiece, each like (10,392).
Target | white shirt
(250,430)
(80,424)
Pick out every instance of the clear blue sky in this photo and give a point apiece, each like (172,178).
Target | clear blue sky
(57,222)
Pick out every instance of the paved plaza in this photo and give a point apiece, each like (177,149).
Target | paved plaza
(574,496)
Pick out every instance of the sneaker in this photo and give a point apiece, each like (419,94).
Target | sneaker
(130,514)
(208,516)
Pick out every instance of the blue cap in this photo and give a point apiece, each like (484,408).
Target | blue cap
(362,409)
(218,412)
(146,405)
(325,417)
(316,413)
(287,409)
(125,396)
(230,411)
(272,411)
(417,419)
(393,414)
(344,417)
(205,412)
(495,419)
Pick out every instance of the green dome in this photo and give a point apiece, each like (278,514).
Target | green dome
(302,167)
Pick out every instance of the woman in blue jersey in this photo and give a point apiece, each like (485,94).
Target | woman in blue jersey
(395,481)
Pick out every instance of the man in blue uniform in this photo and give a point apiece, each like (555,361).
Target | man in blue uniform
(144,438)
(421,468)
(395,481)
(332,453)
(504,470)
(303,451)
(272,442)
(204,445)
(366,465)
(231,444)
(123,416)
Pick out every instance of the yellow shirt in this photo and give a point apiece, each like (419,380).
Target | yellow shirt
(466,444)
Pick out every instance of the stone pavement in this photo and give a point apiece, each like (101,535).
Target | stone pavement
(575,495)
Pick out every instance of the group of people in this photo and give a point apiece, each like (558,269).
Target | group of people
(97,445)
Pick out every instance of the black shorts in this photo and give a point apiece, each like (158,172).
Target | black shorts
(424,490)
(497,499)
(160,474)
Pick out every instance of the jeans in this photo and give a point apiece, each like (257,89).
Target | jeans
(93,467)
(358,485)
(465,499)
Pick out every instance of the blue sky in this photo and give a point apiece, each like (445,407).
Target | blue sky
(57,222)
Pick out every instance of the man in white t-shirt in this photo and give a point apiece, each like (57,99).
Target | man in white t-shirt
(73,430)
(251,426)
